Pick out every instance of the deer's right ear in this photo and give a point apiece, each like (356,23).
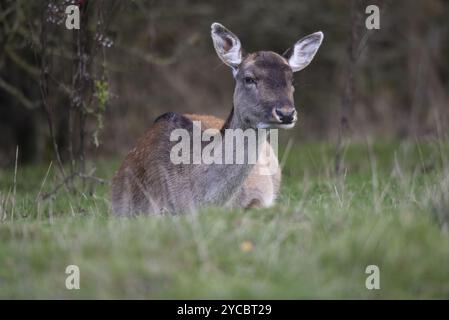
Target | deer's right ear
(227,46)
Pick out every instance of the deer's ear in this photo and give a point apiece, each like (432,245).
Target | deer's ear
(302,53)
(227,45)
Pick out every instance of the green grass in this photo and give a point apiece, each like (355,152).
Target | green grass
(390,209)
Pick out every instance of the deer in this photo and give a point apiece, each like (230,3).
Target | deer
(148,182)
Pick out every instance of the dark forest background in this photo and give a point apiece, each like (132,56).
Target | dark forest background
(94,91)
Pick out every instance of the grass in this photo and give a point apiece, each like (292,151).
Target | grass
(390,209)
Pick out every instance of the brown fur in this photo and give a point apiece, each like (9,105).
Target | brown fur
(149,181)
(139,185)
(207,122)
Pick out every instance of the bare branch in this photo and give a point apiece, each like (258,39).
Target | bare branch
(16,93)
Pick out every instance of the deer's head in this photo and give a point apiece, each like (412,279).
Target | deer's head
(263,96)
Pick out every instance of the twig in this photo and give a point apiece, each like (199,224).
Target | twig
(44,89)
(93,178)
(16,93)
(5,201)
(21,63)
(43,182)
(160,60)
(14,186)
(286,153)
(347,100)
(70,178)
(47,195)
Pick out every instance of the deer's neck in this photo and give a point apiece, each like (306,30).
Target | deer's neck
(233,122)
(221,182)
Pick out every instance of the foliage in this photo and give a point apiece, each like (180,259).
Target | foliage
(314,243)
(159,58)
(102,94)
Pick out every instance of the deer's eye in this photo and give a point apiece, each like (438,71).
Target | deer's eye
(249,80)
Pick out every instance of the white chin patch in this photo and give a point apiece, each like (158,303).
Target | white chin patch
(264,125)
(286,126)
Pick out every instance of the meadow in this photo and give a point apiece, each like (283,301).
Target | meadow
(389,207)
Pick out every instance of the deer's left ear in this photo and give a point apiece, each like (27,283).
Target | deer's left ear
(302,53)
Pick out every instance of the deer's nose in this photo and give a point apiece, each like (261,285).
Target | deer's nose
(285,114)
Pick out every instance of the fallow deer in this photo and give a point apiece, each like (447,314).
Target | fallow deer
(149,182)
